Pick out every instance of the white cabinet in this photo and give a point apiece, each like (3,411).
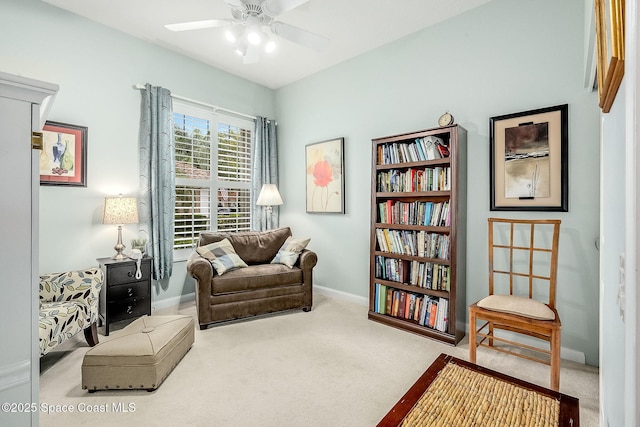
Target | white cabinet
(22,101)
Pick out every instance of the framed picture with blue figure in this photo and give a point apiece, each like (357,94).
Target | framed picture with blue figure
(63,158)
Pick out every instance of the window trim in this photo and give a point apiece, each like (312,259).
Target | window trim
(215,118)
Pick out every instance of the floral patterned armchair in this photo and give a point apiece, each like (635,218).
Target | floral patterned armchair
(68,305)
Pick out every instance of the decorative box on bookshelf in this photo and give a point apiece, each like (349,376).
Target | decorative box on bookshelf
(418,232)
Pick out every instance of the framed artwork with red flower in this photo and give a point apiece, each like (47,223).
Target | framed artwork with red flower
(325,176)
(63,158)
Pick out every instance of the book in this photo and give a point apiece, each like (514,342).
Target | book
(433,313)
(444,151)
(396,303)
(382,299)
(402,304)
(443,308)
(411,306)
(418,309)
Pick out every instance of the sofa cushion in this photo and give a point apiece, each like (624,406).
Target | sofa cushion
(222,255)
(262,276)
(290,251)
(254,247)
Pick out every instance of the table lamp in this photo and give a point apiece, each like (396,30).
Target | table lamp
(120,210)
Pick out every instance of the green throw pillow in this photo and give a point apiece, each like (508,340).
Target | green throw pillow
(222,256)
(290,251)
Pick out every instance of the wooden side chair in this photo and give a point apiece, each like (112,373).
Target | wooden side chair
(523,265)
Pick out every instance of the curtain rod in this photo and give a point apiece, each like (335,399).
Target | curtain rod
(204,104)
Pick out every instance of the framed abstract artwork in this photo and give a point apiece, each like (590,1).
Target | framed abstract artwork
(325,176)
(529,160)
(63,159)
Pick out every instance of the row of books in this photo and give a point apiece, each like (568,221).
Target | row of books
(428,275)
(429,179)
(416,243)
(427,148)
(432,312)
(415,213)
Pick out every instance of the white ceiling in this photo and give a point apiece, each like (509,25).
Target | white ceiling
(352,26)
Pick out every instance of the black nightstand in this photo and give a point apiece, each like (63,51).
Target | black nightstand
(122,296)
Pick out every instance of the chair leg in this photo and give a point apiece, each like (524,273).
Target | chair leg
(490,334)
(91,334)
(472,336)
(555,360)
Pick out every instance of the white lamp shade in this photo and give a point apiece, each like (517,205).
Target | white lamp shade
(269,196)
(120,210)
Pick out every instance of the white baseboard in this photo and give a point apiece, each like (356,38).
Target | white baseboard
(172,302)
(341,295)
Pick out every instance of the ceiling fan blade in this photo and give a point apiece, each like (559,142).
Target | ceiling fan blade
(276,7)
(300,36)
(234,3)
(252,56)
(197,25)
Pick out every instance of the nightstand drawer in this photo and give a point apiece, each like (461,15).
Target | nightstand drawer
(129,290)
(128,309)
(127,272)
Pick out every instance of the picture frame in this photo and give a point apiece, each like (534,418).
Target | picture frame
(529,160)
(325,176)
(63,158)
(609,20)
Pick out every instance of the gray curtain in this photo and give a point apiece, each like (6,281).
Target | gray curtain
(157,177)
(265,171)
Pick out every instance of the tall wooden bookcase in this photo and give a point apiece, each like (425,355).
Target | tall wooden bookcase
(418,232)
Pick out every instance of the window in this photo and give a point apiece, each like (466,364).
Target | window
(213,173)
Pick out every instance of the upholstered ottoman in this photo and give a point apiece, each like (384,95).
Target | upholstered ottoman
(140,356)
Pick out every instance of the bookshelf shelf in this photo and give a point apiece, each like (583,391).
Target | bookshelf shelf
(418,237)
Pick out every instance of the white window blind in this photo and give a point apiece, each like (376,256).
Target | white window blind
(213,173)
(234,153)
(192,214)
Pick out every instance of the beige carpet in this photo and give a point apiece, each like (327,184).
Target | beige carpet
(328,367)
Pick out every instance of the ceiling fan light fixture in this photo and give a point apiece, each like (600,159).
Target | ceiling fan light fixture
(241,47)
(254,37)
(270,46)
(234,33)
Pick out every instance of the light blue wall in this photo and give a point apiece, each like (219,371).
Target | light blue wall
(96,68)
(500,58)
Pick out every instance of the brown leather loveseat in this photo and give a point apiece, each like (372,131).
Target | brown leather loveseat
(259,288)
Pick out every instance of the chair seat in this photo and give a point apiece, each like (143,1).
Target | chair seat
(521,306)
(59,321)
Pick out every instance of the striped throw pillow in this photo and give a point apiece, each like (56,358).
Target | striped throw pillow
(290,251)
(222,256)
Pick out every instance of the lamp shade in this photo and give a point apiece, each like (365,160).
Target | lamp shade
(269,196)
(120,210)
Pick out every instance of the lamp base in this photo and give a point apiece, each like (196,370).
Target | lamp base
(119,247)
(119,256)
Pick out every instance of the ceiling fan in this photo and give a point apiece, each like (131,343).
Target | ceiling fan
(246,28)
